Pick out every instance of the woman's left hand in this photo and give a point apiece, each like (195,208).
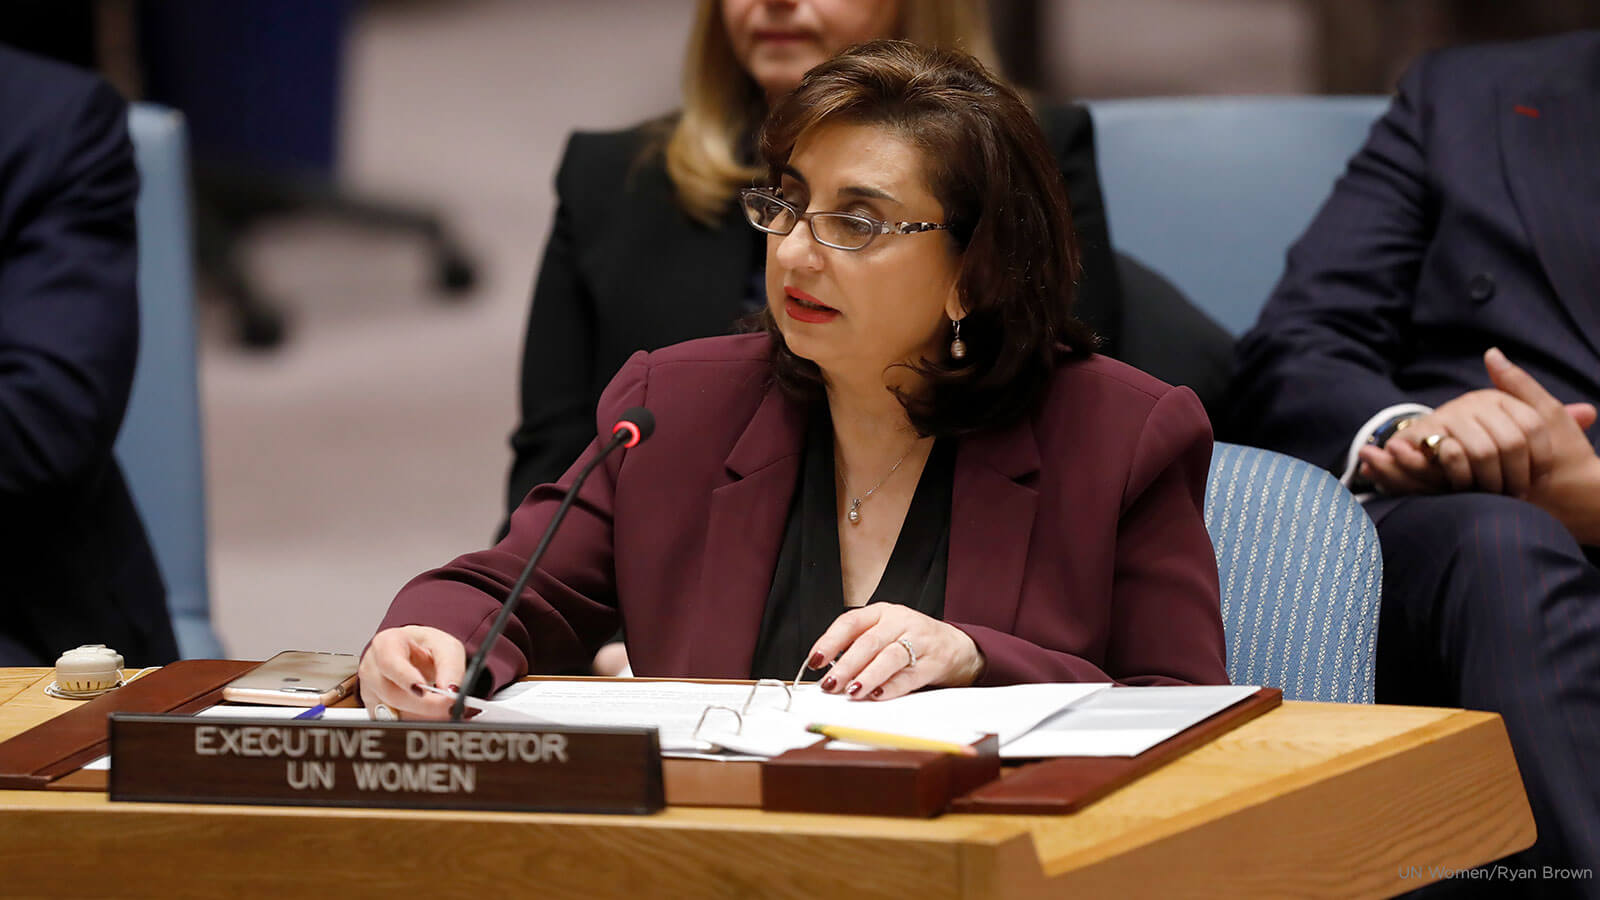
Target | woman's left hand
(872,663)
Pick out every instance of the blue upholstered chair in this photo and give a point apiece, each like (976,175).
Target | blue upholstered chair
(159,445)
(1301,575)
(1210,191)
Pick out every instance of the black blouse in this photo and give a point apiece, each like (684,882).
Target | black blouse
(808,584)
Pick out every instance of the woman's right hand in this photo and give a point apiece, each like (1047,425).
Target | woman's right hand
(400,660)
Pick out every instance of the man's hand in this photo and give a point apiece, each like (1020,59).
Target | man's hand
(1569,487)
(1490,440)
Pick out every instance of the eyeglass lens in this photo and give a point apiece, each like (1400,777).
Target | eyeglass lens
(836,229)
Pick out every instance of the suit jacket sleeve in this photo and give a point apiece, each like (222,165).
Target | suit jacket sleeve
(1165,623)
(568,608)
(69,316)
(1322,359)
(1070,132)
(557,384)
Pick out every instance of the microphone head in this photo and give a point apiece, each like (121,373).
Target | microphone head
(638,422)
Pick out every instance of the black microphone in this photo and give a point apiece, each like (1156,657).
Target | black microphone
(634,426)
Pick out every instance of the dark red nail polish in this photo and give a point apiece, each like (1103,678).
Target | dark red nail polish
(829,683)
(417,689)
(816,660)
(853,689)
(877,692)
(454,688)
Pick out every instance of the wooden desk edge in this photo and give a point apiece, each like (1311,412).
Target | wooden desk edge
(998,857)
(976,831)
(1009,865)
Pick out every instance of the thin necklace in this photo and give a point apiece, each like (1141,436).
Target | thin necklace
(854,515)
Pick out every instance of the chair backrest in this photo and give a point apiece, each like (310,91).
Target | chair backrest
(1211,191)
(159,446)
(1301,575)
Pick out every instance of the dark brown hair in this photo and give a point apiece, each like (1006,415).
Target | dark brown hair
(1005,201)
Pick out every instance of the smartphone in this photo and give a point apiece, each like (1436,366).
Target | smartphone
(296,678)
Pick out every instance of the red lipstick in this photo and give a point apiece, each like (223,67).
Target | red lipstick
(802,307)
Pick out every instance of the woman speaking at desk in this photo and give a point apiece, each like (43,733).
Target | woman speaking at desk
(649,247)
(917,469)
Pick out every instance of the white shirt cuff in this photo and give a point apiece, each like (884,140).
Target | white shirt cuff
(1371,428)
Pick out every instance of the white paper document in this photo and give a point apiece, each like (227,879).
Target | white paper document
(1124,721)
(949,714)
(1031,720)
(733,717)
(233,711)
(773,720)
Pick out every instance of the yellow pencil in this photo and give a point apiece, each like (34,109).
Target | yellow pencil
(890,741)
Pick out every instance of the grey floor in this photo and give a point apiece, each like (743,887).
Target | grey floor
(374,445)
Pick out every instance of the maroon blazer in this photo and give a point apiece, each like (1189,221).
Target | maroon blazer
(1078,551)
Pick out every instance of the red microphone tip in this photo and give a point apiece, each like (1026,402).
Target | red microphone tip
(634,437)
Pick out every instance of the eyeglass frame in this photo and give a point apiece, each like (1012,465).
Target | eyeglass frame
(878,225)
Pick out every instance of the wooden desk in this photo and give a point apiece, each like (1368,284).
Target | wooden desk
(1312,799)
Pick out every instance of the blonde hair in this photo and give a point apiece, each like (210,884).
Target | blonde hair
(723,105)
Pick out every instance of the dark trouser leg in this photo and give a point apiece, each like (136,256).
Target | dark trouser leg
(1490,604)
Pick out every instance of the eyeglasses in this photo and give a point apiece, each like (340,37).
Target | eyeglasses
(841,231)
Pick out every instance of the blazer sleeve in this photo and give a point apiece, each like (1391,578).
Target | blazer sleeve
(557,385)
(1164,615)
(1166,604)
(1322,358)
(69,313)
(568,608)
(1070,132)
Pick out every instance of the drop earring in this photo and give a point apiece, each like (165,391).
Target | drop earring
(958,347)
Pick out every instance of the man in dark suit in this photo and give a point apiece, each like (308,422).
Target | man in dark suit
(74,561)
(1469,221)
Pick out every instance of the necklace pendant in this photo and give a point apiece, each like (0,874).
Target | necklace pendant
(854,515)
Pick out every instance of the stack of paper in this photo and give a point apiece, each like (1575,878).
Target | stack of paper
(1031,720)
(1124,721)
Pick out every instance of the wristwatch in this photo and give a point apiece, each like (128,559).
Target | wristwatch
(1360,484)
(1391,428)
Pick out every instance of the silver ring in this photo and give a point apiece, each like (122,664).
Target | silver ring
(910,652)
(383,713)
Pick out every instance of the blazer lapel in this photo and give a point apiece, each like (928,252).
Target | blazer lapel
(991,524)
(743,533)
(1550,141)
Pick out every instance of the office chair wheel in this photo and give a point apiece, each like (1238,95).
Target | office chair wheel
(455,275)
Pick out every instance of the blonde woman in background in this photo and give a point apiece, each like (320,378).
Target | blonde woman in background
(650,248)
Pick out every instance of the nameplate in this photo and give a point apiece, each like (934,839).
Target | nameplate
(416,765)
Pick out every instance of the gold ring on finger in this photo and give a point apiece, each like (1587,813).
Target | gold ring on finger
(1430,446)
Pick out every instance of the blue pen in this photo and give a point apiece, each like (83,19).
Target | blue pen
(314,712)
